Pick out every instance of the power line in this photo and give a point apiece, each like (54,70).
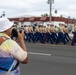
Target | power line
(28,11)
(35,3)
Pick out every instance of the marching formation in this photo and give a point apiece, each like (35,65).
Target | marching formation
(49,34)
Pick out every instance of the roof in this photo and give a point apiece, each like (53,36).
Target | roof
(21,19)
(31,18)
(14,19)
(44,18)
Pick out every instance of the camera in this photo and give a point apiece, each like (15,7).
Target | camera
(15,33)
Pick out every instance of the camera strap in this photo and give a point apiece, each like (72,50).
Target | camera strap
(2,39)
(8,72)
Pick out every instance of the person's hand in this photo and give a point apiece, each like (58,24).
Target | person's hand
(21,40)
(20,35)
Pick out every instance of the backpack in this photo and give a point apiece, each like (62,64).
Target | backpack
(2,39)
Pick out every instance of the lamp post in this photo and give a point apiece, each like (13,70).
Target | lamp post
(3,14)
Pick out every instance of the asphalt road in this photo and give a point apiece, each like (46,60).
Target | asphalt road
(47,59)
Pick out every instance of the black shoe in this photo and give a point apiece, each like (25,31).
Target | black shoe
(72,44)
(64,43)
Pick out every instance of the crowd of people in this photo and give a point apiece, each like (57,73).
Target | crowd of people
(49,34)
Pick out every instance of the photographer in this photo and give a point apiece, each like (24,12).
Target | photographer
(11,52)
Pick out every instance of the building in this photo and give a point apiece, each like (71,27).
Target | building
(44,21)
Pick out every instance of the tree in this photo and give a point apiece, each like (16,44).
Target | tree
(61,15)
(45,15)
(69,17)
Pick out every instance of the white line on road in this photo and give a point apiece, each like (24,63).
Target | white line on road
(39,53)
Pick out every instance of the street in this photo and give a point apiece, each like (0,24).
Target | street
(47,59)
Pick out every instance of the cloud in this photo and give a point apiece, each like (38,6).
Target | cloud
(65,7)
(37,7)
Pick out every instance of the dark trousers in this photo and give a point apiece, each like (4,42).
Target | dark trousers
(74,38)
(60,37)
(67,37)
(54,36)
(49,38)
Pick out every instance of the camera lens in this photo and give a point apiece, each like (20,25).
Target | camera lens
(14,33)
(20,31)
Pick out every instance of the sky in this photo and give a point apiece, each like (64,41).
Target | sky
(17,8)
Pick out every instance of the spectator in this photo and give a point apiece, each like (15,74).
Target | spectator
(10,50)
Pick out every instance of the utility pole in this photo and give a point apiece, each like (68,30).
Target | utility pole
(50,10)
(50,2)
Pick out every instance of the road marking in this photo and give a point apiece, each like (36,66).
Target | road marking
(39,53)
